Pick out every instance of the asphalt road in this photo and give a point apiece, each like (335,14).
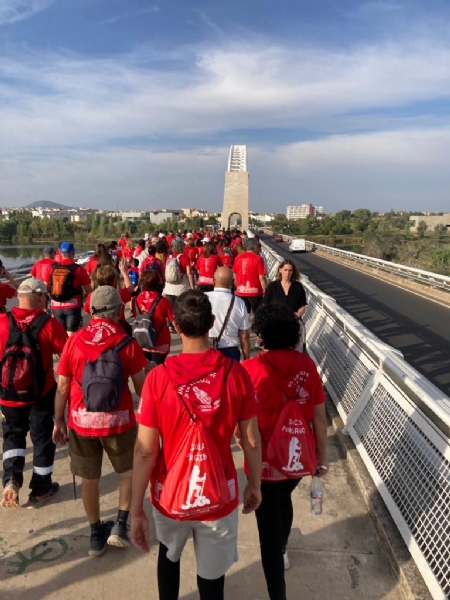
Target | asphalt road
(418,327)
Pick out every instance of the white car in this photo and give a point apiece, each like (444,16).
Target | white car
(297,245)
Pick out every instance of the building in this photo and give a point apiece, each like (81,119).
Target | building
(166,214)
(302,211)
(133,216)
(431,221)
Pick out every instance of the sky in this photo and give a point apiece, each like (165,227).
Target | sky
(344,104)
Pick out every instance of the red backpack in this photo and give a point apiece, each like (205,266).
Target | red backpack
(292,448)
(194,484)
(22,375)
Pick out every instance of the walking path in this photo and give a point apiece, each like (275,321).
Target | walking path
(43,553)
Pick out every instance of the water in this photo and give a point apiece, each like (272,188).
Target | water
(15,256)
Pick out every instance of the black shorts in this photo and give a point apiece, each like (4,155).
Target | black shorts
(70,318)
(252,302)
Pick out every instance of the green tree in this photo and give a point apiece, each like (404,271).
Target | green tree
(421,229)
(441,232)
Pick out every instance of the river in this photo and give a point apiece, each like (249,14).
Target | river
(14,256)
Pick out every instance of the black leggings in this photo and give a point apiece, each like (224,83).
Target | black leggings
(169,580)
(274,518)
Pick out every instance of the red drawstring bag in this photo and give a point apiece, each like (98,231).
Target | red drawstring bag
(194,485)
(292,447)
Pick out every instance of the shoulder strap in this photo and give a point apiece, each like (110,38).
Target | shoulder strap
(227,318)
(123,342)
(38,323)
(154,305)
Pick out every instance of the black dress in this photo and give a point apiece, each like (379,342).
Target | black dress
(295,299)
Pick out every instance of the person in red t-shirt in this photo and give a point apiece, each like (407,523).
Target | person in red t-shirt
(280,373)
(123,242)
(42,269)
(206,266)
(26,414)
(250,276)
(68,312)
(219,393)
(149,286)
(227,254)
(191,251)
(6,291)
(92,432)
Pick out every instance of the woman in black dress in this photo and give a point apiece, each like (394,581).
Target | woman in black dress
(287,290)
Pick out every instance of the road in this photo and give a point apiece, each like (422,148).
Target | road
(418,327)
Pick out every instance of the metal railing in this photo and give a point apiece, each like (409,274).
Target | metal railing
(429,278)
(399,422)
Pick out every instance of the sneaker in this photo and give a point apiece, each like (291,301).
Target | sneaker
(10,497)
(99,537)
(287,564)
(119,535)
(38,501)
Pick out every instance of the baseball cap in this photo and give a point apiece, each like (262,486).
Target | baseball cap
(105,301)
(189,235)
(206,239)
(49,250)
(147,236)
(67,247)
(32,286)
(160,235)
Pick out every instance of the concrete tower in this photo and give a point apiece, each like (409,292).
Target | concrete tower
(235,199)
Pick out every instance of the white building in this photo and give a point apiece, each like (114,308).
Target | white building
(158,216)
(302,211)
(133,216)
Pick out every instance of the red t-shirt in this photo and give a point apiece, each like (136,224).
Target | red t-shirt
(162,312)
(206,268)
(51,338)
(276,376)
(123,243)
(80,280)
(192,253)
(91,265)
(128,253)
(42,269)
(248,266)
(6,293)
(125,296)
(199,378)
(88,344)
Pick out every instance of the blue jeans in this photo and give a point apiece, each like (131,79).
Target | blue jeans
(232,352)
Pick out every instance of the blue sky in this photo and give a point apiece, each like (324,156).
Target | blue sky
(108,103)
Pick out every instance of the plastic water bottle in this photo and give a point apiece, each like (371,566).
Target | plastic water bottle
(316,495)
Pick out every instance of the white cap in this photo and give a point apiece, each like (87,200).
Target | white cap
(147,236)
(160,235)
(206,239)
(189,235)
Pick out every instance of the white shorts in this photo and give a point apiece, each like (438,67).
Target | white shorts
(215,542)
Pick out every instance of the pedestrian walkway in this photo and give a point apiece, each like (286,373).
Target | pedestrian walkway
(43,553)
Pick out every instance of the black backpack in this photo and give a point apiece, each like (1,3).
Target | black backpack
(103,380)
(61,282)
(144,331)
(22,375)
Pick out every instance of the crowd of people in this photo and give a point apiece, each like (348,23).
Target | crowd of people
(211,290)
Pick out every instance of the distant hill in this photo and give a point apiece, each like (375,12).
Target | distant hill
(47,204)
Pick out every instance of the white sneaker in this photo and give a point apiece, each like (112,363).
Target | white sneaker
(287,564)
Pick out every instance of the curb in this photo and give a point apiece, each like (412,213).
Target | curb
(409,577)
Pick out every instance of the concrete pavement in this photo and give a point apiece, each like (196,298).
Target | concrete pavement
(43,553)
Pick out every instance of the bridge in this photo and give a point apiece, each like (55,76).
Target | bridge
(396,411)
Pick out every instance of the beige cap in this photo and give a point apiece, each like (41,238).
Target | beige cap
(105,302)
(32,286)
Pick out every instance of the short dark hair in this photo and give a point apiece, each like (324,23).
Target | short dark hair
(277,326)
(193,313)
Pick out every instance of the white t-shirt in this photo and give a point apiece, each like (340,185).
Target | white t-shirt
(220,300)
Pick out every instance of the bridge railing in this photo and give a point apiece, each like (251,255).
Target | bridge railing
(399,422)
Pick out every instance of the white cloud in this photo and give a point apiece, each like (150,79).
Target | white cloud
(17,10)
(131,15)
(62,118)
